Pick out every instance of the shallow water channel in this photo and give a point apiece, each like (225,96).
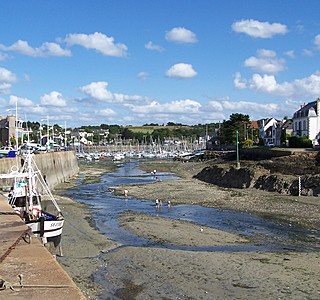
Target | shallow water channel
(106,207)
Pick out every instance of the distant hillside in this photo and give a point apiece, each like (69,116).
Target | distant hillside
(150,129)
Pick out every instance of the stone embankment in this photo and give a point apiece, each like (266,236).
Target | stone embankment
(56,167)
(27,269)
(285,173)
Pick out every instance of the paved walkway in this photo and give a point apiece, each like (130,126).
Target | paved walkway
(27,261)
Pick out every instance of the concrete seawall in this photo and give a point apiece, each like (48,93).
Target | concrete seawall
(27,269)
(57,167)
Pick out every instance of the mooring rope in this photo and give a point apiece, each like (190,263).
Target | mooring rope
(8,213)
(5,285)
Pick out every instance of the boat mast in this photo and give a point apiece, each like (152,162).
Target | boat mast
(30,181)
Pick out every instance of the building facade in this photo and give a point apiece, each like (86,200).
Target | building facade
(267,130)
(8,130)
(11,132)
(306,121)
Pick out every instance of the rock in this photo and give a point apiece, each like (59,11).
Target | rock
(280,174)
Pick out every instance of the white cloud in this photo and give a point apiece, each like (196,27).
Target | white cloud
(26,77)
(265,62)
(307,52)
(180,106)
(37,110)
(127,98)
(259,29)
(53,99)
(181,35)
(6,80)
(107,112)
(53,49)
(305,87)
(317,41)
(299,28)
(7,76)
(266,53)
(239,82)
(308,86)
(181,71)
(242,106)
(45,50)
(213,117)
(290,53)
(5,87)
(220,109)
(143,75)
(99,42)
(268,84)
(3,56)
(99,91)
(21,102)
(87,117)
(216,105)
(152,46)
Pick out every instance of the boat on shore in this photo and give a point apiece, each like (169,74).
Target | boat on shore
(26,200)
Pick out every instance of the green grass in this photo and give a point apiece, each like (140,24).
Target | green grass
(150,129)
(143,130)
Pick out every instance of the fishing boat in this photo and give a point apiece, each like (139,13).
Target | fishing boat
(26,200)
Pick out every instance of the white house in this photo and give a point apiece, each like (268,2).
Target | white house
(267,130)
(306,121)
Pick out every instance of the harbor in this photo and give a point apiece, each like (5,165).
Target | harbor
(210,243)
(133,250)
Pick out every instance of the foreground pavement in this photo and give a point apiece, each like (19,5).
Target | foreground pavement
(27,269)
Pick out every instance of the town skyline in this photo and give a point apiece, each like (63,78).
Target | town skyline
(119,62)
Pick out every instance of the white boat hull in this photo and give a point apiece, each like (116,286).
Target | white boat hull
(49,229)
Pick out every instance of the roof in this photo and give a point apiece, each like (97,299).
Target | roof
(3,123)
(305,108)
(254,124)
(287,124)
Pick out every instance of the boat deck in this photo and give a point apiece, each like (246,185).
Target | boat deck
(27,266)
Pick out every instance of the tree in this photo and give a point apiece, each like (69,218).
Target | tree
(238,122)
(127,134)
(151,124)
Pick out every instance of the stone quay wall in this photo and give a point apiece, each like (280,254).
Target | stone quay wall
(56,167)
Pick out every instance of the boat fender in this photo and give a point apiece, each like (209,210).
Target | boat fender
(36,212)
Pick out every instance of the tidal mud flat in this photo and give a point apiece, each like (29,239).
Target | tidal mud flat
(104,269)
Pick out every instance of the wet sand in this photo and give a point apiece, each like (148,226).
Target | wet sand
(160,273)
(82,246)
(176,232)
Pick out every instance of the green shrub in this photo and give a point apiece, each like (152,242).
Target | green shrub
(300,142)
(247,143)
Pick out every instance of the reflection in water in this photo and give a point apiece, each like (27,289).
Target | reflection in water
(268,236)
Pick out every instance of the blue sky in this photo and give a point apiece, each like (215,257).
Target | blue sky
(135,62)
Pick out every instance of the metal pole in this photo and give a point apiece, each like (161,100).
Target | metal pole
(40,129)
(48,132)
(17,140)
(237,141)
(65,134)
